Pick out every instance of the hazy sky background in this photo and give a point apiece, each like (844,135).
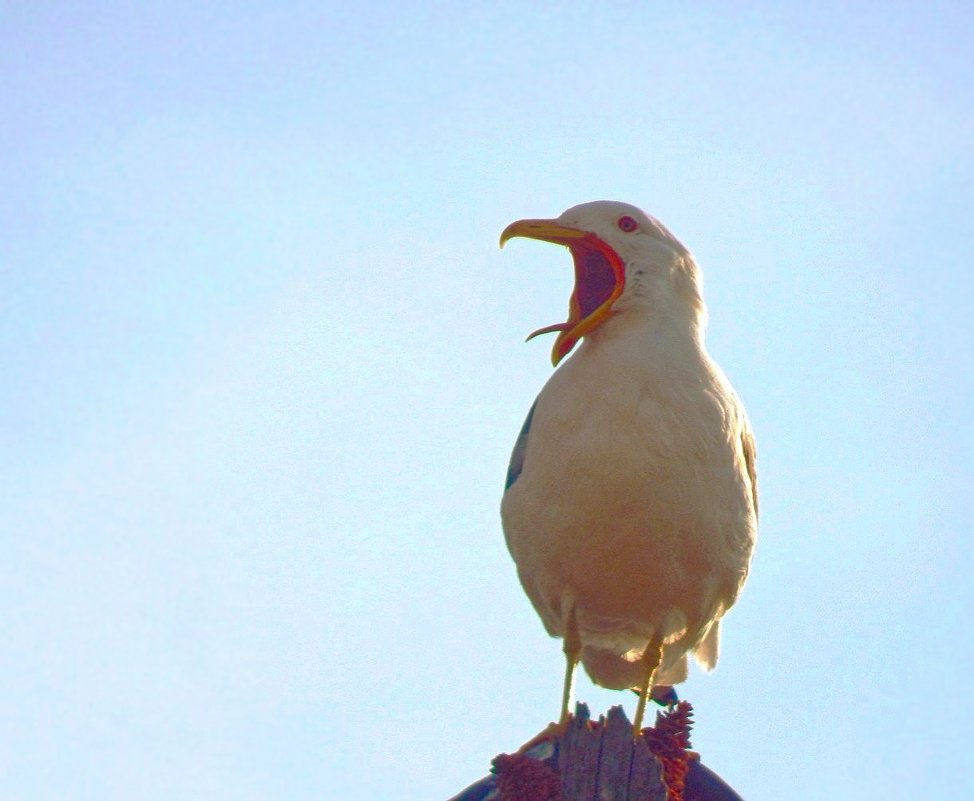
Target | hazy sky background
(263,366)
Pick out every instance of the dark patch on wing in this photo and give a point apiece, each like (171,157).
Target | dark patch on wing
(517,455)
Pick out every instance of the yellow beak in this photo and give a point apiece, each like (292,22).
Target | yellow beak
(600,276)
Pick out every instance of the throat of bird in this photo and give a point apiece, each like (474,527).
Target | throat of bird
(641,335)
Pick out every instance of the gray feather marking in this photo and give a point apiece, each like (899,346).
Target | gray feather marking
(517,455)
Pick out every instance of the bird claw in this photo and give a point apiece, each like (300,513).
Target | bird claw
(551,732)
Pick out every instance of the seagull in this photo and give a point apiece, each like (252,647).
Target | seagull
(630,506)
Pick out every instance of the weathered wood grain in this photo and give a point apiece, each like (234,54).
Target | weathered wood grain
(600,761)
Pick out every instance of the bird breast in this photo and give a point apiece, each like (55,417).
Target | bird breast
(633,505)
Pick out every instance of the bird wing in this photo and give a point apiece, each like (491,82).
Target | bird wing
(750,461)
(520,446)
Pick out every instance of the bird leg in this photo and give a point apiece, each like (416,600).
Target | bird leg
(572,647)
(651,659)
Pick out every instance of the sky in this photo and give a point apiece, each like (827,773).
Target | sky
(264,365)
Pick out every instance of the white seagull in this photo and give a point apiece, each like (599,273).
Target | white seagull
(631,500)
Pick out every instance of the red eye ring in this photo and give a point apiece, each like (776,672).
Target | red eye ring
(627,224)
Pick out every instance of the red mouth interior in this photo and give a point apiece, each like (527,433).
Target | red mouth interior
(598,277)
(595,280)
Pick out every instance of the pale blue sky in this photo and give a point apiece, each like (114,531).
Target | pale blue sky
(264,365)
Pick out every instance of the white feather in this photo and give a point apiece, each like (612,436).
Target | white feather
(636,503)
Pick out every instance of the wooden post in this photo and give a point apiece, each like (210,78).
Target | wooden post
(593,761)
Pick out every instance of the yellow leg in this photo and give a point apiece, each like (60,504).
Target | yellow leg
(651,659)
(572,647)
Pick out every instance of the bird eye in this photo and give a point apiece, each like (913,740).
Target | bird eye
(627,224)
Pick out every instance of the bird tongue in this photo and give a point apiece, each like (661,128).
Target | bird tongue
(595,281)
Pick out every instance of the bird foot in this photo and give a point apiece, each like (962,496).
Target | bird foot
(551,732)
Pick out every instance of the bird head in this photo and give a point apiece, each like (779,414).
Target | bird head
(624,259)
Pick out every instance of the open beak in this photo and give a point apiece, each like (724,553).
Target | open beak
(600,277)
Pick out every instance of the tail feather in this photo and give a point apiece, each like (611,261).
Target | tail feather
(708,651)
(607,669)
(614,672)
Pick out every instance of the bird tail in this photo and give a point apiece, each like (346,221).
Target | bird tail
(708,650)
(608,669)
